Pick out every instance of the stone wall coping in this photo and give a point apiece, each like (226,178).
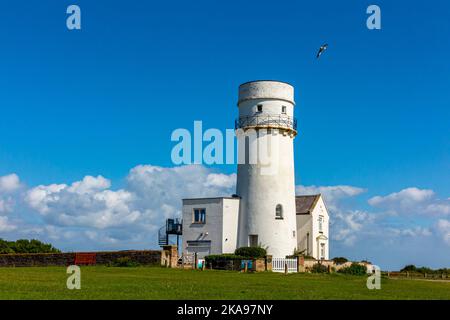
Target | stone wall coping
(64,253)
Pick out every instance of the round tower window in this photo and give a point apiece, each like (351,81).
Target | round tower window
(279,211)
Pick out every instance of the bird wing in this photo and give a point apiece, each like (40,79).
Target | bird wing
(322,49)
(319,52)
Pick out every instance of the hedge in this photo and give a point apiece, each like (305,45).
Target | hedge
(251,252)
(319,268)
(355,269)
(222,257)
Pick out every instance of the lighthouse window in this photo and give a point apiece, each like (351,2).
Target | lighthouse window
(283,109)
(279,211)
(199,215)
(259,107)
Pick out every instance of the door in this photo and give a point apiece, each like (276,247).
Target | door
(322,251)
(253,240)
(202,248)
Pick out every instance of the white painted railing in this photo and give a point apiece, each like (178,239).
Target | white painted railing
(279,265)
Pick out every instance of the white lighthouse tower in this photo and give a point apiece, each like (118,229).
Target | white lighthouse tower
(266,184)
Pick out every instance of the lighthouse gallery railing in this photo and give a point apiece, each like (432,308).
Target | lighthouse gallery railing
(277,121)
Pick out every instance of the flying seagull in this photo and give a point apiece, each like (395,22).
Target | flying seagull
(321,50)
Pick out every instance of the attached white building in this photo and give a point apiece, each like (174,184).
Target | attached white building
(312,226)
(210,226)
(265,211)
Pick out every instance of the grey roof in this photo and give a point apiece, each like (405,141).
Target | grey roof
(305,204)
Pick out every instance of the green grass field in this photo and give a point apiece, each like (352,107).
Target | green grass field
(160,283)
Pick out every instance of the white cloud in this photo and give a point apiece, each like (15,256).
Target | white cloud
(133,213)
(348,225)
(412,202)
(410,232)
(405,199)
(6,205)
(85,203)
(220,180)
(346,222)
(158,187)
(90,214)
(159,191)
(443,227)
(41,197)
(439,208)
(90,184)
(331,194)
(5,225)
(9,183)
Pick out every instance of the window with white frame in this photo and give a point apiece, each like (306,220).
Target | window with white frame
(279,211)
(199,216)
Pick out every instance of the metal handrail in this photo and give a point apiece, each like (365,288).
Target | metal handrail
(266,121)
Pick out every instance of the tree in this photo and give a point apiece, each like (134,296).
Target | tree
(26,246)
(409,268)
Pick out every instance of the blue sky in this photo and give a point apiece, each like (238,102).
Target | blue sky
(373,112)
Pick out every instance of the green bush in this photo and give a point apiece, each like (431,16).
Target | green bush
(251,252)
(424,270)
(26,246)
(4,248)
(340,260)
(222,257)
(319,268)
(409,268)
(355,269)
(124,262)
(443,270)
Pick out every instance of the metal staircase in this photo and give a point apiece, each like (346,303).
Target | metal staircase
(163,237)
(172,227)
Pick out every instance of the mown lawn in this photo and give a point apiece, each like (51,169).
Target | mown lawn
(160,283)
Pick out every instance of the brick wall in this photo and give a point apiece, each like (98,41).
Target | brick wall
(145,257)
(169,256)
(259,265)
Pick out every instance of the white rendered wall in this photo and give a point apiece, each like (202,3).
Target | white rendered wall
(304,230)
(220,227)
(320,209)
(272,107)
(213,226)
(261,193)
(230,225)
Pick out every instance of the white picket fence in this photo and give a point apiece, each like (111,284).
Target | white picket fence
(278,264)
